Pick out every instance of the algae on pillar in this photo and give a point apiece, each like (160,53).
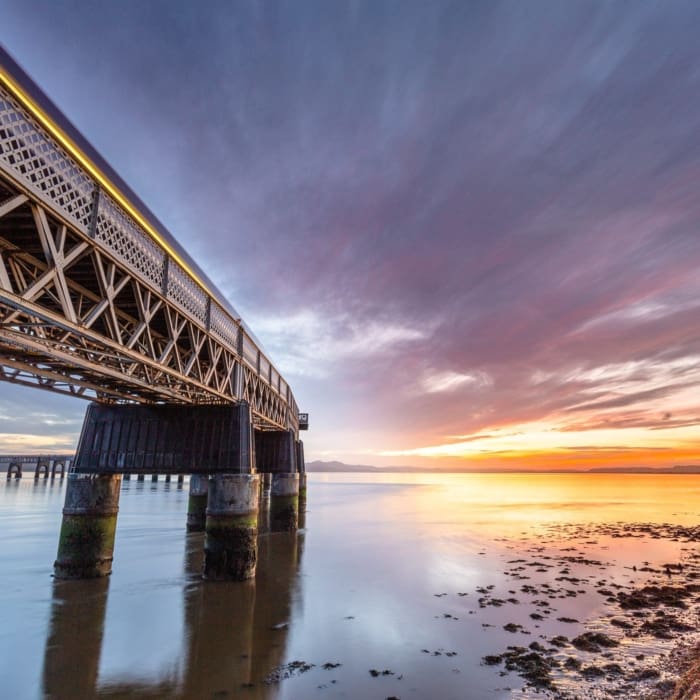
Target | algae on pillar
(197,502)
(86,542)
(230,543)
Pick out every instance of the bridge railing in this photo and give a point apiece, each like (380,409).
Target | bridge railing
(29,153)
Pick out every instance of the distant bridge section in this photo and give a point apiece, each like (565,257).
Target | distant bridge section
(97,299)
(42,465)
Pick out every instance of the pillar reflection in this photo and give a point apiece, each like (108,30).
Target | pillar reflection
(278,562)
(235,632)
(74,640)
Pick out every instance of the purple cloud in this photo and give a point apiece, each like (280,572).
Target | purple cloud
(400,193)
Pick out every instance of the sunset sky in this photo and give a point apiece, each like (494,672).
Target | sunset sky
(467,233)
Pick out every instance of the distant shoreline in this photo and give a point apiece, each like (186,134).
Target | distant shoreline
(318,467)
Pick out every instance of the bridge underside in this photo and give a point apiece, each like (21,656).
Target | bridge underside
(75,320)
(178,439)
(97,300)
(217,445)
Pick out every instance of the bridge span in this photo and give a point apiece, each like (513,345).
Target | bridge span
(100,302)
(43,466)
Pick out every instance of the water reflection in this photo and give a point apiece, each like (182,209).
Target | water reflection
(235,633)
(392,566)
(219,620)
(74,642)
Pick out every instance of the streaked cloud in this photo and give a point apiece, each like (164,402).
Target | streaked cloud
(442,219)
(437,382)
(309,344)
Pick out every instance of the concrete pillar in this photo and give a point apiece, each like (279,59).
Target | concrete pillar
(180,478)
(86,542)
(266,480)
(284,502)
(127,477)
(302,500)
(231,539)
(301,465)
(141,477)
(302,491)
(154,478)
(197,503)
(167,478)
(264,510)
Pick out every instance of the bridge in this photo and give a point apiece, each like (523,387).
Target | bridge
(43,465)
(99,301)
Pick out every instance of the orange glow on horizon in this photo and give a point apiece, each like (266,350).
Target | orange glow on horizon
(549,446)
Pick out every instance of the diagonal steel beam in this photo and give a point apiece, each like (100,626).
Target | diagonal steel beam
(11,204)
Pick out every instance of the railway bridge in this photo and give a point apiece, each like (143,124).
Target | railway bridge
(44,466)
(99,301)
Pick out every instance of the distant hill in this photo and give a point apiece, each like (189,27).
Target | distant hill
(678,469)
(318,466)
(335,466)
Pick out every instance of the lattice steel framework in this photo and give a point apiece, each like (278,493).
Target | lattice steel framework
(92,305)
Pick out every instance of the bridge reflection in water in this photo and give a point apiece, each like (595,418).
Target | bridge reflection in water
(231,641)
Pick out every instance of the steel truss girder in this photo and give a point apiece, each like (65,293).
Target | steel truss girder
(75,319)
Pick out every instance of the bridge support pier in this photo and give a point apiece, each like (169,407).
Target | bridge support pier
(264,510)
(55,467)
(231,539)
(284,502)
(86,542)
(197,502)
(302,492)
(277,454)
(302,501)
(265,485)
(301,468)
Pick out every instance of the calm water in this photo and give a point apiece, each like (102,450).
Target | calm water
(384,576)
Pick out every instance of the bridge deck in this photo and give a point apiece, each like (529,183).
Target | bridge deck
(94,300)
